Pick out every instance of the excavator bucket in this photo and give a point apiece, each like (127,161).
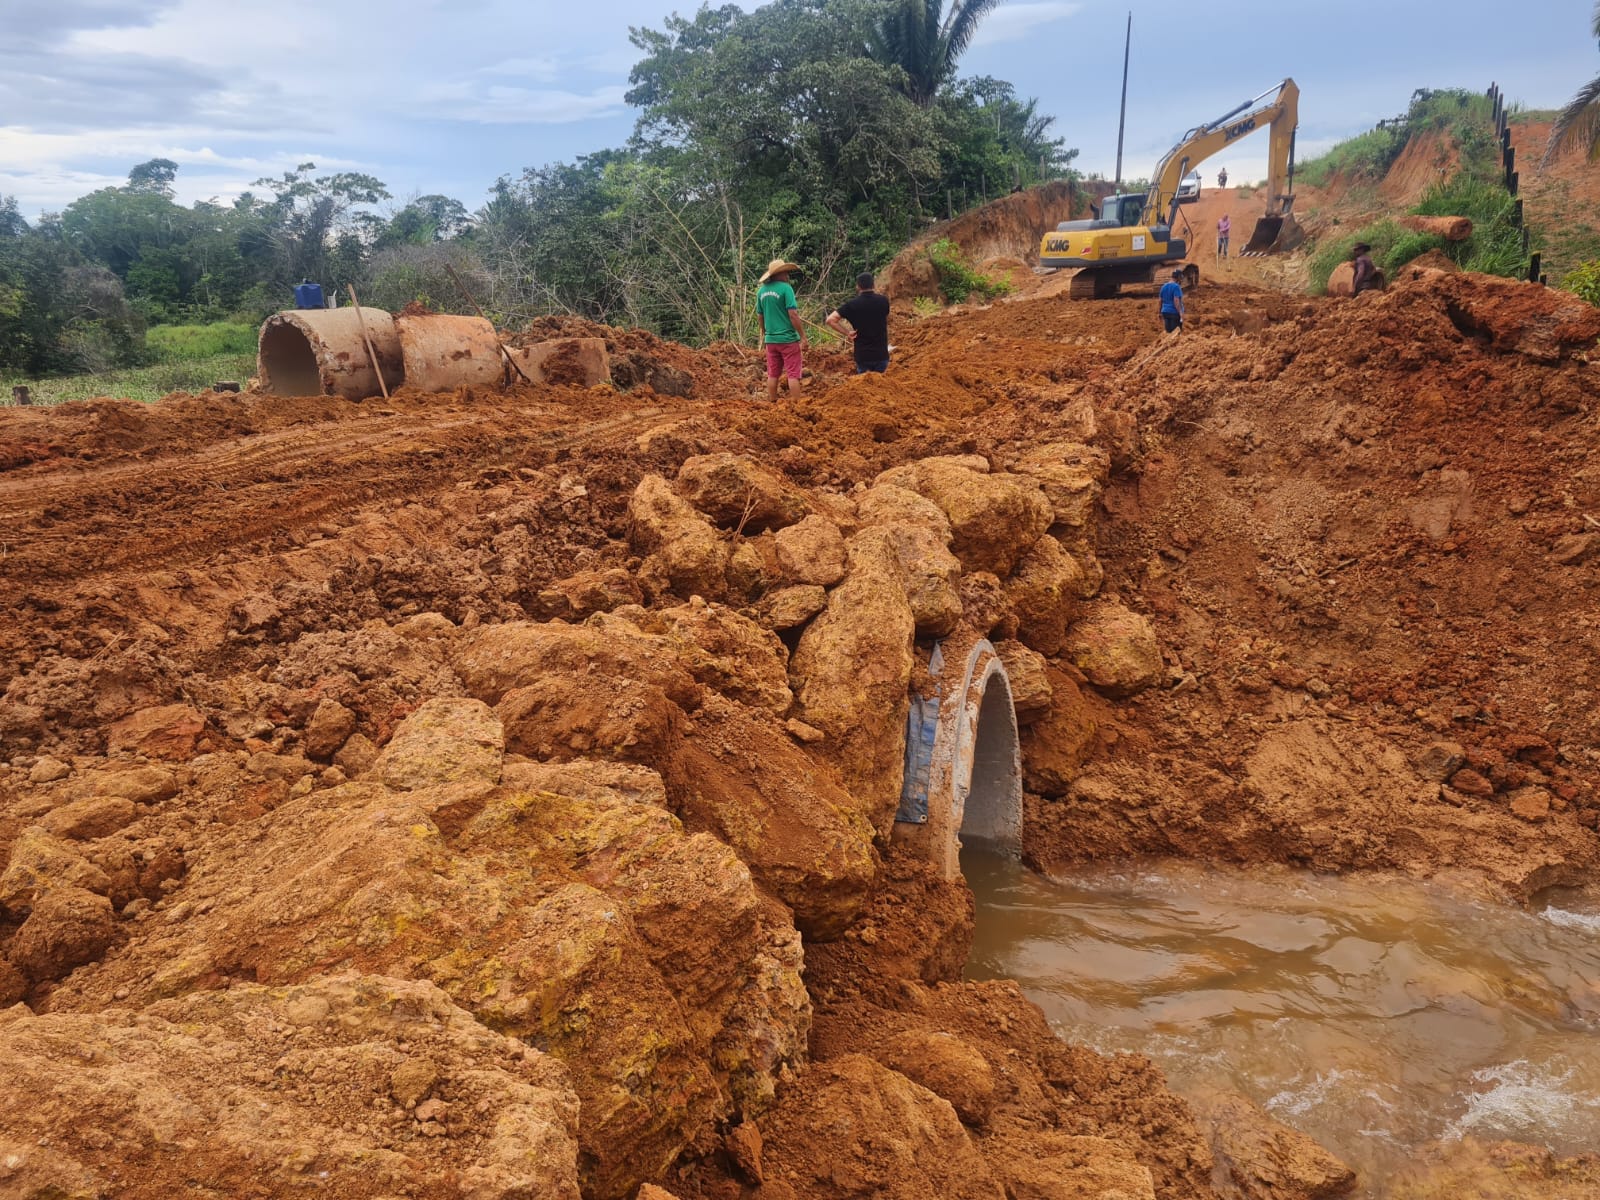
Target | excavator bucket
(1275,235)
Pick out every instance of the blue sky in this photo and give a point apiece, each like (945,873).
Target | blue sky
(446,95)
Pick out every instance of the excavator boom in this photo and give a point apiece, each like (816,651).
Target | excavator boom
(1132,233)
(1281,113)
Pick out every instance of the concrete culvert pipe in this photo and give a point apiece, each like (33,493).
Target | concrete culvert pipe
(444,352)
(320,352)
(964,766)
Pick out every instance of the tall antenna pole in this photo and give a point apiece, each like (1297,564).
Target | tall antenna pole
(1122,117)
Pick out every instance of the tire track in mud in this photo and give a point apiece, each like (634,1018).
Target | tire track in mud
(68,526)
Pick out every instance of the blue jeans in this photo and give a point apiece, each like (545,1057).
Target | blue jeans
(876,366)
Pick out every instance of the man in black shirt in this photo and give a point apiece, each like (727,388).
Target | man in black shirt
(868,314)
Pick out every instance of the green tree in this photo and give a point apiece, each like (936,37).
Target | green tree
(154,176)
(1579,122)
(321,223)
(57,312)
(423,221)
(926,42)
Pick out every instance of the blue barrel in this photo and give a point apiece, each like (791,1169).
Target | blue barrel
(308,295)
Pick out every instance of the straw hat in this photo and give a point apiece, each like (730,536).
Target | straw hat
(1360,248)
(777,267)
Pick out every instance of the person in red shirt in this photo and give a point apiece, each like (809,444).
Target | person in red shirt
(1224,227)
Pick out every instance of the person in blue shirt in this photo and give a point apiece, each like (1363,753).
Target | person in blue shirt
(1172,302)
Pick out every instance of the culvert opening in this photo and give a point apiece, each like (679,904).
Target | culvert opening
(963,772)
(992,815)
(287,364)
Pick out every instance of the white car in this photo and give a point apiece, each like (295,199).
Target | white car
(1189,189)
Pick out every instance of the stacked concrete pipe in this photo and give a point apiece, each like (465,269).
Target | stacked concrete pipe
(320,352)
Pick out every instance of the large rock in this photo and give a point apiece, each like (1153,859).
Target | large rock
(41,862)
(593,715)
(684,553)
(444,741)
(787,607)
(330,726)
(1072,477)
(929,573)
(734,491)
(994,518)
(1265,1159)
(851,673)
(85,820)
(1116,649)
(1051,1165)
(947,1067)
(67,928)
(171,731)
(787,816)
(494,659)
(591,926)
(1028,673)
(887,504)
(887,1139)
(1043,593)
(281,1090)
(811,551)
(728,652)
(1056,745)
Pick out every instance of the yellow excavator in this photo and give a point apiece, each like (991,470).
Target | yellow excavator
(1132,234)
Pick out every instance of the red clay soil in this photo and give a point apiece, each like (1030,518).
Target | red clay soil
(1366,533)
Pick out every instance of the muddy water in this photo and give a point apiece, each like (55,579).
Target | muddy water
(1375,1015)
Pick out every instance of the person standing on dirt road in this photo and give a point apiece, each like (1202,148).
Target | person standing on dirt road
(868,314)
(1365,278)
(781,330)
(1224,227)
(1222,178)
(1172,302)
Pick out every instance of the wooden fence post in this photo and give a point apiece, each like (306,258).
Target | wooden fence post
(1533,269)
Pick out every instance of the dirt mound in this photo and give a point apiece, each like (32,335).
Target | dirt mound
(580,710)
(1008,229)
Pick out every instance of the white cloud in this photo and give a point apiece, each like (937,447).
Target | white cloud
(1014,22)
(498,105)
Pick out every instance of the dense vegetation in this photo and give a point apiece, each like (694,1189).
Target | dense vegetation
(827,131)
(1476,190)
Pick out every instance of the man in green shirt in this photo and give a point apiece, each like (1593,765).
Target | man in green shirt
(781,330)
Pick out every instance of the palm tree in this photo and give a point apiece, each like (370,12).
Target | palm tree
(923,40)
(1579,122)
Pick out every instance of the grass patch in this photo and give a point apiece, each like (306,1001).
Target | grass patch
(1366,156)
(959,279)
(188,343)
(1383,237)
(924,307)
(1584,282)
(1495,247)
(145,384)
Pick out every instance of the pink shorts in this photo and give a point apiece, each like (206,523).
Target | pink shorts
(783,358)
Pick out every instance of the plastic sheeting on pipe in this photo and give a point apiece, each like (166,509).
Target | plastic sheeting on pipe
(974,770)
